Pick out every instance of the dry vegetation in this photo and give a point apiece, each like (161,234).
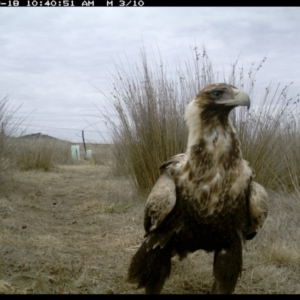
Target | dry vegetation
(74,230)
(72,226)
(150,128)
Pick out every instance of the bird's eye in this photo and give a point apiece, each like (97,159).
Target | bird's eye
(217,94)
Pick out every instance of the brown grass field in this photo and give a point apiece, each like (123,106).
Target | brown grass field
(75,228)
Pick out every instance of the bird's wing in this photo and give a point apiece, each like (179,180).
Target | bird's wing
(162,197)
(258,206)
(160,202)
(173,163)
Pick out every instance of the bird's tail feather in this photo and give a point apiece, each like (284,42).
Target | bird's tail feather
(149,269)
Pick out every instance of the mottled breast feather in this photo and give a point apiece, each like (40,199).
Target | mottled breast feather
(162,198)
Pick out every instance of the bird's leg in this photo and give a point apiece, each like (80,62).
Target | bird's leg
(227,268)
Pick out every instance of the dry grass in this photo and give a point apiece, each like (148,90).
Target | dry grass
(41,153)
(36,151)
(74,230)
(44,153)
(9,125)
(38,155)
(270,137)
(51,241)
(101,153)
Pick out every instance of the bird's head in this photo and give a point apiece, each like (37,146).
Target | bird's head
(212,105)
(216,100)
(221,97)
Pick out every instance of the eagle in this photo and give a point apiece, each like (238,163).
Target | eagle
(204,198)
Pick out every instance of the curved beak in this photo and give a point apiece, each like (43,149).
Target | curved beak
(241,98)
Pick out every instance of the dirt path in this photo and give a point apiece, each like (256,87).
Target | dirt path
(75,229)
(63,231)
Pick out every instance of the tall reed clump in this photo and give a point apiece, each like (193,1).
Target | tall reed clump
(8,127)
(147,119)
(270,139)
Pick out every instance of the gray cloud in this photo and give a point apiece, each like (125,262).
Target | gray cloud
(51,58)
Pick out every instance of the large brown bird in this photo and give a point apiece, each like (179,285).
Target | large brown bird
(204,198)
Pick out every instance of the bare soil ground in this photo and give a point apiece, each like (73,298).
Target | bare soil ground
(74,230)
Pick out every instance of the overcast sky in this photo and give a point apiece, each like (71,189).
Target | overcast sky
(54,61)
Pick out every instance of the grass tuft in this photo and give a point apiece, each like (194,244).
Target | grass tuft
(147,120)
